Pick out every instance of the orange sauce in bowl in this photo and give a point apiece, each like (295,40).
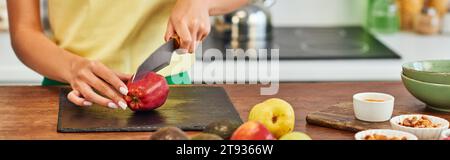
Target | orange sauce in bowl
(374,100)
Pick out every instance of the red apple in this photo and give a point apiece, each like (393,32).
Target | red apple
(147,93)
(252,131)
(448,138)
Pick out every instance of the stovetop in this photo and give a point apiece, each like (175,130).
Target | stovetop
(296,43)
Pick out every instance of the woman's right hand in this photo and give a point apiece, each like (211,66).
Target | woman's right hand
(93,82)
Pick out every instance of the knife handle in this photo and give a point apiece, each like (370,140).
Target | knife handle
(177,41)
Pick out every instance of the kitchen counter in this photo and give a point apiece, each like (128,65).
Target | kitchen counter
(30,112)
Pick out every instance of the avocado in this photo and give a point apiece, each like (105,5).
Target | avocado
(222,128)
(206,136)
(169,133)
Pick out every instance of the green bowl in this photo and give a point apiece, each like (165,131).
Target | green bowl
(436,96)
(432,71)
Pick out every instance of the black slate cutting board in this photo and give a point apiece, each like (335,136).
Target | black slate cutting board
(190,108)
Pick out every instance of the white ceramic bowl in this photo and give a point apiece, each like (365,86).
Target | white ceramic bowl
(421,133)
(445,134)
(371,111)
(386,132)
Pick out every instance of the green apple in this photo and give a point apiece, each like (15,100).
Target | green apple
(295,136)
(276,114)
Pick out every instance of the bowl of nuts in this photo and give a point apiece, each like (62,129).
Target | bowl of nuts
(425,127)
(384,134)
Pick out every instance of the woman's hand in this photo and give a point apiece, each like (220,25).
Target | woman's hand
(87,76)
(190,21)
(41,54)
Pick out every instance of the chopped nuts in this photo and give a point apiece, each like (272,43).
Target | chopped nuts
(415,122)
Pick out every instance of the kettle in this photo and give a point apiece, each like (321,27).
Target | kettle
(249,23)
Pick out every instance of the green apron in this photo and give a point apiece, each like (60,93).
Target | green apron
(181,78)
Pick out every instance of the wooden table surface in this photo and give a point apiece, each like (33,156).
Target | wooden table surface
(30,112)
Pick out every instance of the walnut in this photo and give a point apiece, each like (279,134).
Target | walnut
(415,122)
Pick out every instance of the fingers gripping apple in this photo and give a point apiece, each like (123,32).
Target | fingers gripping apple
(147,93)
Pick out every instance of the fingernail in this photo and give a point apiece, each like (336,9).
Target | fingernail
(112,105)
(123,90)
(123,105)
(87,103)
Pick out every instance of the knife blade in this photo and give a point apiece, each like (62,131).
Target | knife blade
(157,60)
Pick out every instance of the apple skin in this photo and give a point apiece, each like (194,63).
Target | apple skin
(148,93)
(276,114)
(252,131)
(295,136)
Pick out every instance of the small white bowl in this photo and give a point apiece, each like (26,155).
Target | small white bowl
(372,111)
(421,133)
(445,134)
(386,132)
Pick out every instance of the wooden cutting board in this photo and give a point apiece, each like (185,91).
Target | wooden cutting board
(341,116)
(190,108)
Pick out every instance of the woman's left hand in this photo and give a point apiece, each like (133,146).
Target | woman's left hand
(190,21)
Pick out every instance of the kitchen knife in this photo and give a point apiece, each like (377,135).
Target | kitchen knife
(158,59)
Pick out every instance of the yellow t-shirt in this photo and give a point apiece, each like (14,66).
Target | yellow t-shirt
(119,33)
